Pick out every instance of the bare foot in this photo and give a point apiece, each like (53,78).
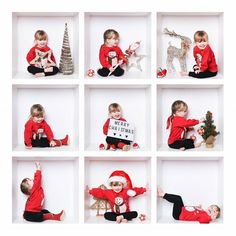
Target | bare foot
(39,75)
(126,148)
(197,145)
(160,192)
(124,221)
(119,219)
(183,73)
(182,149)
(49,69)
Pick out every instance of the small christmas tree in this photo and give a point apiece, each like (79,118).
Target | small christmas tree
(100,204)
(208,131)
(66,65)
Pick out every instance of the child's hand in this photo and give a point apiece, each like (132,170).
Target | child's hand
(38,166)
(120,62)
(197,71)
(28,147)
(52,143)
(147,187)
(87,189)
(111,69)
(202,120)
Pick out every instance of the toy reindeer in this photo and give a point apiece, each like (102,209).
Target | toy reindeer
(179,53)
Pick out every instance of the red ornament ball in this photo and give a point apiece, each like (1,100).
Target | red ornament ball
(201,131)
(90,73)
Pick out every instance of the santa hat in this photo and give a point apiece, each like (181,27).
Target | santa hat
(120,176)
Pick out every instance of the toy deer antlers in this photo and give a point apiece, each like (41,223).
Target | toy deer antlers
(179,53)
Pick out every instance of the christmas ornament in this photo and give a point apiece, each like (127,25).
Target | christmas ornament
(161,73)
(90,73)
(208,130)
(135,146)
(179,53)
(66,65)
(142,217)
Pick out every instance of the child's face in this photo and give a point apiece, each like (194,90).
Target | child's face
(212,211)
(117,188)
(113,41)
(41,42)
(115,114)
(182,111)
(201,45)
(30,182)
(38,119)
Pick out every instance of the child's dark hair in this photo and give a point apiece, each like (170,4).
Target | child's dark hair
(218,211)
(109,33)
(24,186)
(200,36)
(178,105)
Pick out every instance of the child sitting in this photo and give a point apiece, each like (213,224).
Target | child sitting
(204,56)
(118,197)
(110,55)
(193,213)
(40,57)
(179,126)
(36,126)
(34,211)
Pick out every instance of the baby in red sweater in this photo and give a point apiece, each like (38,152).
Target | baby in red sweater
(115,112)
(189,213)
(179,125)
(34,205)
(36,127)
(118,197)
(111,56)
(40,57)
(204,56)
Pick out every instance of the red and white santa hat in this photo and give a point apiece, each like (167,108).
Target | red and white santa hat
(120,176)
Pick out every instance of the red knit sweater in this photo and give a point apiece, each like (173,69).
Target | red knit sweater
(106,125)
(104,55)
(205,59)
(196,215)
(179,126)
(36,198)
(32,53)
(119,202)
(32,127)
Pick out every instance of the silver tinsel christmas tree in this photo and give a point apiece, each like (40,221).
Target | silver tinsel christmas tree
(66,65)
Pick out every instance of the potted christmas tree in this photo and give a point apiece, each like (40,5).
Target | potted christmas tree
(208,131)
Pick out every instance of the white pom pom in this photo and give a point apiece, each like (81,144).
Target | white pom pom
(131,193)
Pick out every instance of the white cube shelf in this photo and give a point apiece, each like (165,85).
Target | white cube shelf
(187,23)
(200,99)
(132,27)
(61,104)
(139,170)
(57,172)
(25,24)
(198,180)
(136,104)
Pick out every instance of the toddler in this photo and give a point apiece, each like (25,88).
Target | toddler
(118,197)
(115,112)
(111,56)
(189,213)
(34,211)
(204,56)
(179,125)
(40,57)
(36,126)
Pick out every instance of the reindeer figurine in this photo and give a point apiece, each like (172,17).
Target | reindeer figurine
(179,53)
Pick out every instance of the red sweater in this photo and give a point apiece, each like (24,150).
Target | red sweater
(36,198)
(106,125)
(32,127)
(106,59)
(196,215)
(119,202)
(205,59)
(179,127)
(32,53)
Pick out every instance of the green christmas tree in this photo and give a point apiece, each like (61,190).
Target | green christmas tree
(208,129)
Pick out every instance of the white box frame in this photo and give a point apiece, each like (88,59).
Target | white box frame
(55,185)
(136,167)
(134,98)
(187,23)
(199,180)
(97,22)
(24,96)
(25,24)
